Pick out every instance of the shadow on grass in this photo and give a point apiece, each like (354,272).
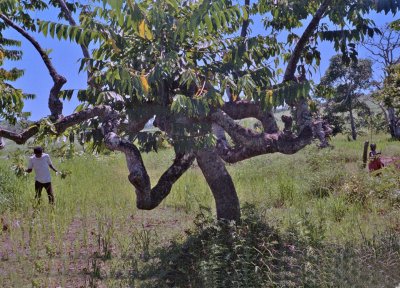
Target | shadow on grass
(252,254)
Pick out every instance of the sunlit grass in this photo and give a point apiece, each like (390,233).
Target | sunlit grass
(95,220)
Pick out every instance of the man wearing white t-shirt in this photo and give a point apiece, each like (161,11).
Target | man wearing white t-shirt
(40,162)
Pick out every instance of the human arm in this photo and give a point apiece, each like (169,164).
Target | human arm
(51,164)
(30,166)
(52,168)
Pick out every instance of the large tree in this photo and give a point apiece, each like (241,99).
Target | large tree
(176,60)
(346,84)
(389,94)
(384,50)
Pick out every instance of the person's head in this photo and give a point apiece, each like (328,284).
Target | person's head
(38,151)
(372,146)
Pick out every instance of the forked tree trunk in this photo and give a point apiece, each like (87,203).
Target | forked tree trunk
(221,185)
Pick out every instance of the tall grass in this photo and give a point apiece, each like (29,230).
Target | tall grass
(95,236)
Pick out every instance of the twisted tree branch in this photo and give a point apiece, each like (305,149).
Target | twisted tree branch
(308,32)
(244,109)
(250,143)
(72,22)
(146,197)
(60,126)
(55,104)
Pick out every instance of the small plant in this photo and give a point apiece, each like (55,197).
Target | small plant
(339,208)
(355,189)
(65,173)
(286,190)
(104,240)
(51,249)
(93,272)
(312,231)
(39,266)
(143,240)
(36,283)
(18,162)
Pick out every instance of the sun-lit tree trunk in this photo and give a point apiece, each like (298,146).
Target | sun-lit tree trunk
(221,185)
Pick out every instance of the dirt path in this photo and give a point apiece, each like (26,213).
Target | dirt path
(86,252)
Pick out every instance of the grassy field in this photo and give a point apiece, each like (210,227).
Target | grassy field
(95,237)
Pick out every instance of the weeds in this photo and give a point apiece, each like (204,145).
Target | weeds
(252,254)
(143,239)
(327,221)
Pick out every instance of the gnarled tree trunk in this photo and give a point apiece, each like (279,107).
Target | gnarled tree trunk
(221,185)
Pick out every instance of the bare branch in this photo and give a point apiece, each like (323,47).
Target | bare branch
(251,144)
(308,32)
(246,22)
(72,22)
(384,48)
(244,109)
(60,126)
(55,105)
(22,137)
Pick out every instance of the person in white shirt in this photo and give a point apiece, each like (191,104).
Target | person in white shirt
(40,162)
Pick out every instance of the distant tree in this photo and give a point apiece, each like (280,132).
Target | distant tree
(174,60)
(384,49)
(346,84)
(390,96)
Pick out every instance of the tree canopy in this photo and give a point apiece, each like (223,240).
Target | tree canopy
(194,66)
(345,86)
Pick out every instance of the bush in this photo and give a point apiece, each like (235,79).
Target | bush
(11,189)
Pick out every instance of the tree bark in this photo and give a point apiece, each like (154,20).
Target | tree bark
(246,22)
(365,154)
(352,124)
(394,123)
(308,32)
(221,185)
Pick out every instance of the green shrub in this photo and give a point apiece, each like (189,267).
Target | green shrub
(11,188)
(252,254)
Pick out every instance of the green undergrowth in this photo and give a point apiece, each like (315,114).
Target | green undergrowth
(314,219)
(12,189)
(253,254)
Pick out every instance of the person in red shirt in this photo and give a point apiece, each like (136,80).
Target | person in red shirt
(375,162)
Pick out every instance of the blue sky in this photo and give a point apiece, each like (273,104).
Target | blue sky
(65,56)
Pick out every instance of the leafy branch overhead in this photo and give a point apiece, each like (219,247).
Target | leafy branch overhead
(192,68)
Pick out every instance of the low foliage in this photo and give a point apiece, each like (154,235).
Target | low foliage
(11,189)
(345,236)
(252,254)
